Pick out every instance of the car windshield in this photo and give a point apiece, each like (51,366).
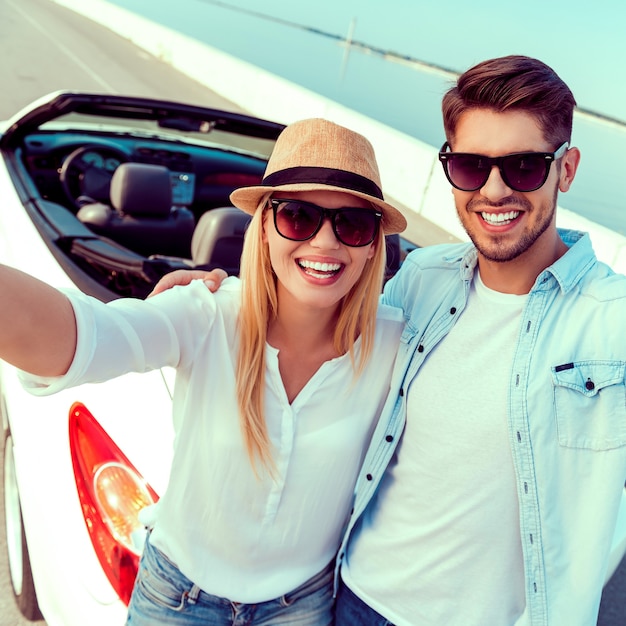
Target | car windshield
(171,129)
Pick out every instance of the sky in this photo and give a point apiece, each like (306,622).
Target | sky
(582,40)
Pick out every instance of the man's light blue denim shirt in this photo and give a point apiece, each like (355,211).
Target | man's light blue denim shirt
(567,413)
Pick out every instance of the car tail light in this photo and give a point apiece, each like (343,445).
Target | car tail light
(111,493)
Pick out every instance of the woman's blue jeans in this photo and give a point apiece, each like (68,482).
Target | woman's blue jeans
(162,595)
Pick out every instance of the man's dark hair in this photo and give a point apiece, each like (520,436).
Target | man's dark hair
(509,83)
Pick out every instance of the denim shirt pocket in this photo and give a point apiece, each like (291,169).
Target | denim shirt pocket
(590,404)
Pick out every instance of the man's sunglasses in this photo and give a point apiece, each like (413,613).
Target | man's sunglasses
(298,220)
(522,171)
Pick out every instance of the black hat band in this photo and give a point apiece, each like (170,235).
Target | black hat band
(324,176)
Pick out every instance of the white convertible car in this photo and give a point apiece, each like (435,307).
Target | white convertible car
(107,194)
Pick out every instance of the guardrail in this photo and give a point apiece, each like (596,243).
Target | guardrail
(409,167)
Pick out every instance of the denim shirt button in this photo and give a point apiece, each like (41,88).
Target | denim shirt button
(453,310)
(368,476)
(590,385)
(420,348)
(389,438)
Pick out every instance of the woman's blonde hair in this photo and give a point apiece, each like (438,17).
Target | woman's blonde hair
(357,317)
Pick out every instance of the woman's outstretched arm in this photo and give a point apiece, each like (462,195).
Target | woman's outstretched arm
(37,325)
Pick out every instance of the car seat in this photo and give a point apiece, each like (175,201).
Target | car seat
(141,216)
(218,239)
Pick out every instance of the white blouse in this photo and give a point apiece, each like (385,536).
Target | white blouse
(235,535)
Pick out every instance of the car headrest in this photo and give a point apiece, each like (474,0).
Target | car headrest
(143,190)
(218,238)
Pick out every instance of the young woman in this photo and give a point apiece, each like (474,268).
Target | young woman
(277,391)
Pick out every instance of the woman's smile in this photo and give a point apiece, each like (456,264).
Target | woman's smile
(320,269)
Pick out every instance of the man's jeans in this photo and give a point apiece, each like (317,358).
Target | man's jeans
(350,610)
(162,595)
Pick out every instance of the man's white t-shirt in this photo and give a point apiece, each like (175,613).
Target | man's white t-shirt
(443,546)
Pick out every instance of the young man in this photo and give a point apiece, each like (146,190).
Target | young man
(490,492)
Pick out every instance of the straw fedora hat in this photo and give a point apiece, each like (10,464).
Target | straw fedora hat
(316,154)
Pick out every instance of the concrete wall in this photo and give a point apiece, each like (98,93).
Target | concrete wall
(409,168)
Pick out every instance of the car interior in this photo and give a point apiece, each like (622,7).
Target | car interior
(119,206)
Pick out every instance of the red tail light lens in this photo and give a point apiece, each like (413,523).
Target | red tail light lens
(111,493)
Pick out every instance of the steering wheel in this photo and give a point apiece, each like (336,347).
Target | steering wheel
(87,172)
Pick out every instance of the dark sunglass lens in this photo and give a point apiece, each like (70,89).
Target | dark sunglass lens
(468,171)
(525,172)
(355,227)
(297,220)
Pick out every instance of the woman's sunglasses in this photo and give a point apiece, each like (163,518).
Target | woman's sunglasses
(523,171)
(298,220)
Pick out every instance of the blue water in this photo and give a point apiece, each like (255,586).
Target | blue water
(398,95)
